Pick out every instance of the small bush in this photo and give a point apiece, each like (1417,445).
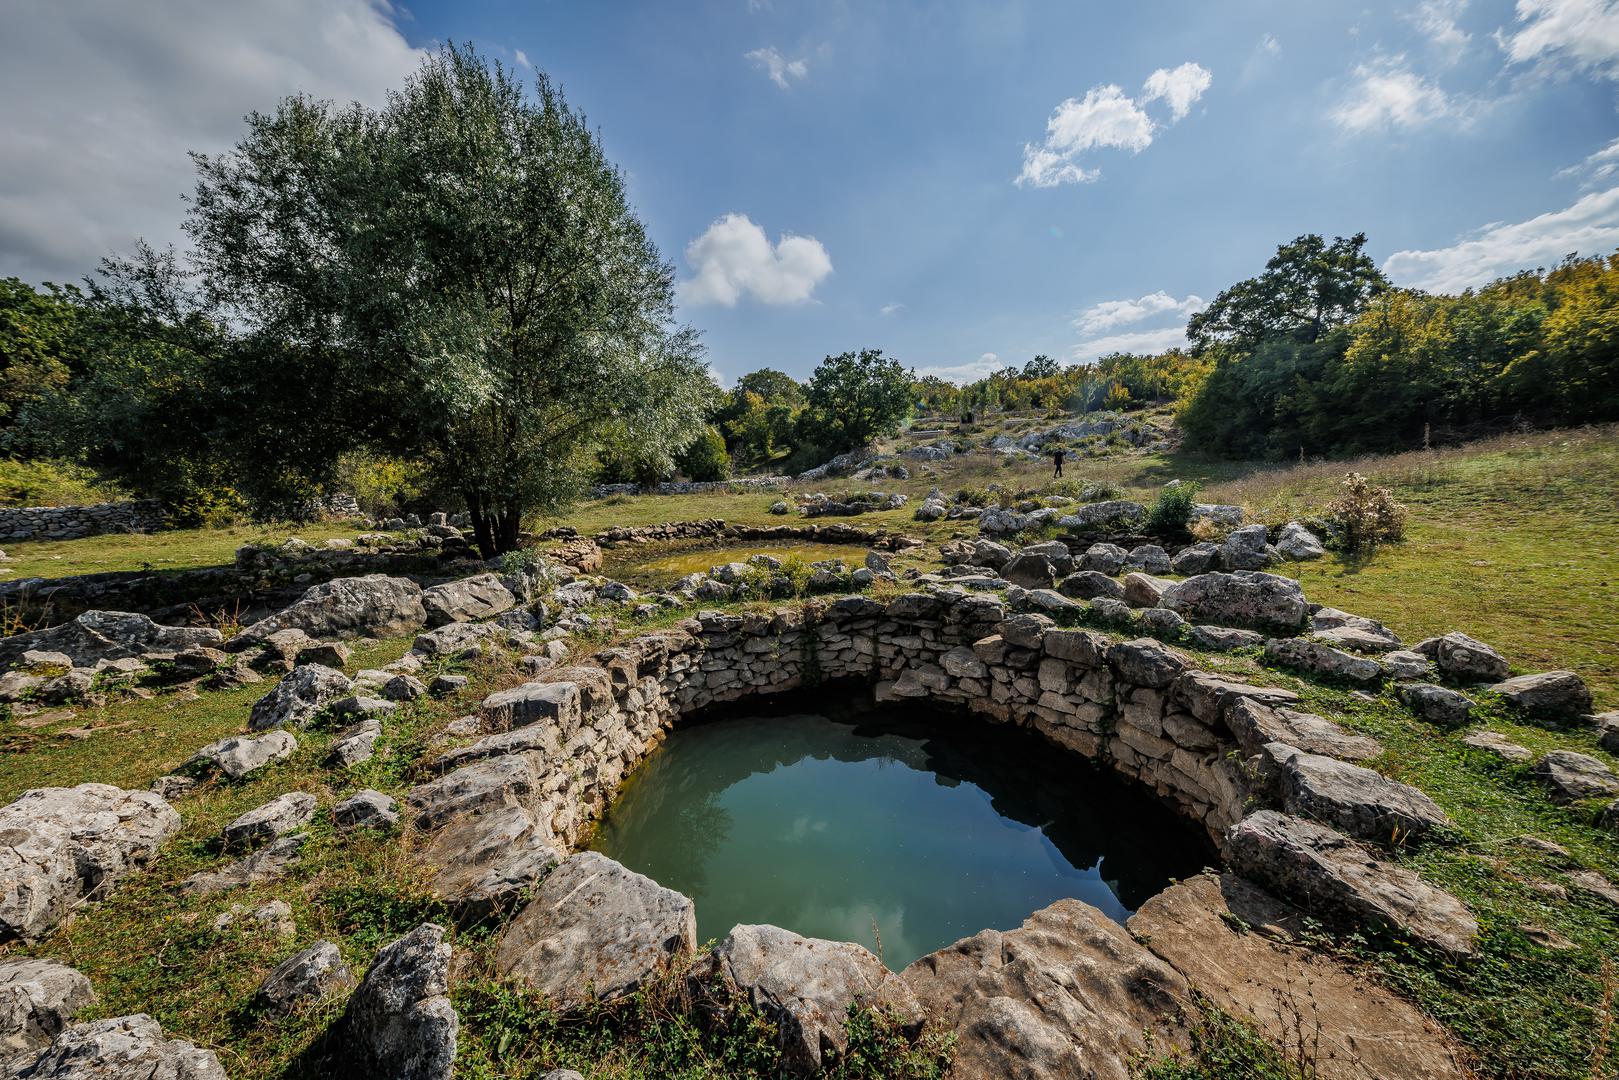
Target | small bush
(706,458)
(1366,515)
(1172,510)
(53,483)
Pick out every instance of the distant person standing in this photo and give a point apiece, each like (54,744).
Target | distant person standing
(1056,460)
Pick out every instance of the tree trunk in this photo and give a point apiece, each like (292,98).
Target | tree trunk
(482,527)
(507,528)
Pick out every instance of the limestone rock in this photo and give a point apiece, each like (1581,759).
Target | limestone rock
(1145,662)
(1607,727)
(1193,559)
(1463,658)
(481,865)
(1550,694)
(1494,742)
(1143,590)
(1406,664)
(1111,515)
(1570,776)
(400,1023)
(469,600)
(1090,584)
(1436,704)
(122,1048)
(1245,597)
(63,845)
(356,743)
(1069,993)
(372,606)
(1229,939)
(37,1000)
(332,654)
(1029,571)
(368,809)
(403,687)
(279,816)
(266,864)
(1296,542)
(1318,659)
(1358,639)
(1335,879)
(275,916)
(242,755)
(453,639)
(1244,549)
(1353,799)
(595,928)
(95,636)
(558,704)
(1105,559)
(298,698)
(308,975)
(1225,638)
(1255,724)
(510,780)
(1062,561)
(1148,559)
(806,986)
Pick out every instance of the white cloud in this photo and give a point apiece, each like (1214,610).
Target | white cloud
(1437,21)
(780,69)
(1590,226)
(1269,45)
(522,58)
(1387,95)
(972,370)
(1110,314)
(1584,32)
(892,308)
(1180,87)
(1596,167)
(110,97)
(734,257)
(1138,341)
(1106,118)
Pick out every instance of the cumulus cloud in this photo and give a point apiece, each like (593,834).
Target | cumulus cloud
(970,371)
(1388,95)
(1179,87)
(733,257)
(780,69)
(1138,341)
(1584,33)
(1106,118)
(110,97)
(1590,226)
(1110,314)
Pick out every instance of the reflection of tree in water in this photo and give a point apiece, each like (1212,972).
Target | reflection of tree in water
(668,822)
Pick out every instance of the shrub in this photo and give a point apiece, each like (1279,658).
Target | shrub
(53,483)
(706,458)
(1366,515)
(1172,510)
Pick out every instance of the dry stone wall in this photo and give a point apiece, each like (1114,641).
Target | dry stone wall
(23,523)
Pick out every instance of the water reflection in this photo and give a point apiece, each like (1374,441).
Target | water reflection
(913,829)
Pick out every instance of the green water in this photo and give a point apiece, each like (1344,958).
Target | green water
(918,830)
(664,566)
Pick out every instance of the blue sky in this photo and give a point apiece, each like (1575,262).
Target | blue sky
(961,185)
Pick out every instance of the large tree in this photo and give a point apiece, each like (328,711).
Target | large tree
(1308,287)
(465,269)
(855,397)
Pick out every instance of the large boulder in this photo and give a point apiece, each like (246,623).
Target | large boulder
(1296,542)
(1333,878)
(595,928)
(1436,704)
(1031,571)
(1245,549)
(37,1000)
(1233,942)
(372,606)
(400,1023)
(1103,558)
(1114,515)
(1319,659)
(306,976)
(297,699)
(237,756)
(122,1048)
(1069,993)
(807,986)
(94,636)
(1090,584)
(482,864)
(482,596)
(1463,658)
(557,704)
(1549,694)
(1351,798)
(1246,597)
(1570,776)
(63,845)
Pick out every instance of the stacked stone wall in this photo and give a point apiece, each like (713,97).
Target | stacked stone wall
(23,523)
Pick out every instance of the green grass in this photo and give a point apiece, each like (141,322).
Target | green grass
(172,549)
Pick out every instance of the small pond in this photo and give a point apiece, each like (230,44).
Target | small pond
(662,566)
(901,831)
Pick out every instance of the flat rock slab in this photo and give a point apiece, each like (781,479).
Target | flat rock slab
(1254,724)
(481,865)
(400,1022)
(1569,776)
(1069,993)
(279,816)
(123,1048)
(93,636)
(372,606)
(1324,660)
(266,864)
(511,780)
(1498,744)
(1359,1028)
(1550,694)
(1328,875)
(558,704)
(242,755)
(38,998)
(807,986)
(61,845)
(482,596)
(597,929)
(1355,800)
(1243,598)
